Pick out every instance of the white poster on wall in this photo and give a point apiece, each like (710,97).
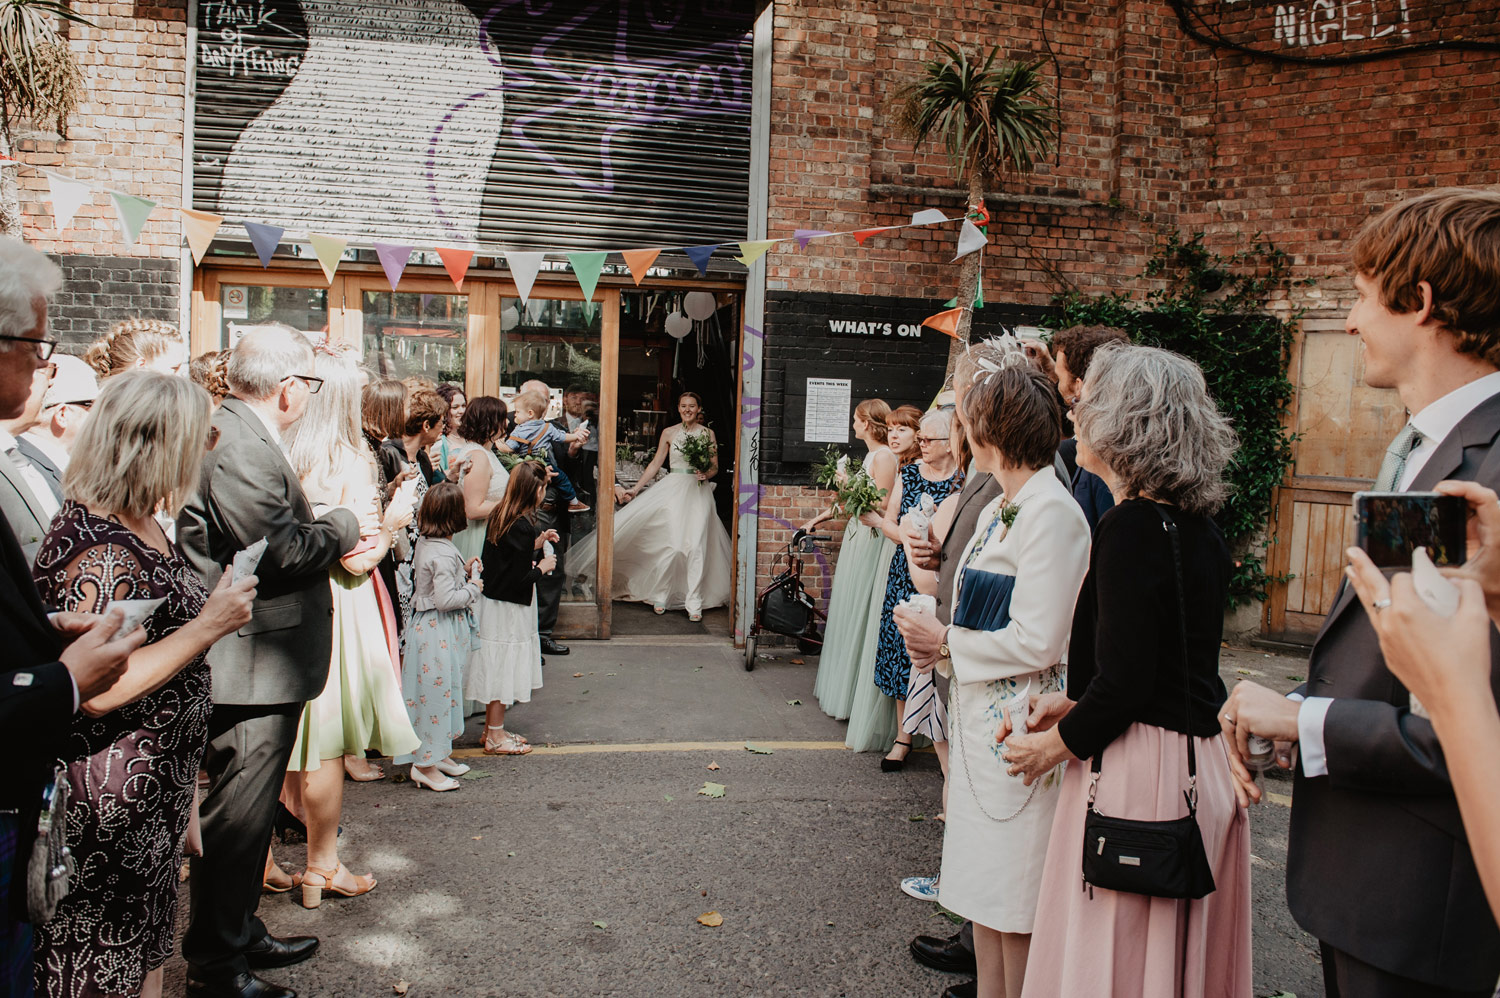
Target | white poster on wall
(827,417)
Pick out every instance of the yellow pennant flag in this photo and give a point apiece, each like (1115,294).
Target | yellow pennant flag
(752,251)
(199,228)
(639,261)
(329,249)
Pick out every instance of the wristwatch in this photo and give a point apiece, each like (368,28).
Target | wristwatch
(943,651)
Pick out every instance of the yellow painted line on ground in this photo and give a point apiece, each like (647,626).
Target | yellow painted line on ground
(627,747)
(1285,800)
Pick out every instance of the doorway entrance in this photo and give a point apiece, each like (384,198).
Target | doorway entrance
(615,359)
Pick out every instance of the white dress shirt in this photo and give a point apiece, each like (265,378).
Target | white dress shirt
(40,490)
(48,445)
(1434,422)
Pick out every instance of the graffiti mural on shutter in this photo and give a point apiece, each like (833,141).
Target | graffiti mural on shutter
(604,124)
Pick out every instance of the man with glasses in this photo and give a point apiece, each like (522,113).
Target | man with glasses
(26,497)
(48,443)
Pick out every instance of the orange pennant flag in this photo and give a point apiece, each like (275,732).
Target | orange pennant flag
(945,322)
(456,263)
(639,261)
(864,234)
(200,227)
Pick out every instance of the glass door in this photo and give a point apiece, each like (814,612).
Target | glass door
(423,329)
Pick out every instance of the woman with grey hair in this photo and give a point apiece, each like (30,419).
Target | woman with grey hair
(1133,706)
(133,753)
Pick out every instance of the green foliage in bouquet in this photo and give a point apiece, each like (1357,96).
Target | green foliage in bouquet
(700,450)
(508,461)
(829,474)
(859,495)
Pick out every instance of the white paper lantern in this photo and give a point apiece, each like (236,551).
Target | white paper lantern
(678,325)
(509,318)
(699,305)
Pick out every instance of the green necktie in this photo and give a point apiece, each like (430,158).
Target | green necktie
(1394,462)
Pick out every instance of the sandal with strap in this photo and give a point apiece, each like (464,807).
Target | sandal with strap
(277,880)
(312,894)
(507,744)
(889,765)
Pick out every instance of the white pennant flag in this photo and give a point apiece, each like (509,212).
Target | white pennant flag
(969,240)
(523,270)
(67,196)
(929,216)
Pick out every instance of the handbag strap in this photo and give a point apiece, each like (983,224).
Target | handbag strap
(1170,526)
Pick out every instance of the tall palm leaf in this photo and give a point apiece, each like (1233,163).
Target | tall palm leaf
(992,120)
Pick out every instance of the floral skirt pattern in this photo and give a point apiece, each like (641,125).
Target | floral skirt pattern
(438,646)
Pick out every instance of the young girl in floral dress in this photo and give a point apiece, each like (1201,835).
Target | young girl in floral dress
(440,636)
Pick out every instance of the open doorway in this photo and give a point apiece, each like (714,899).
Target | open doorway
(665,553)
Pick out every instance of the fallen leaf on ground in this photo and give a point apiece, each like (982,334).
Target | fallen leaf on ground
(400,778)
(476,774)
(917,817)
(667,796)
(712,790)
(600,925)
(400,987)
(510,854)
(794,703)
(713,766)
(577,675)
(611,673)
(1249,672)
(476,838)
(712,919)
(1295,679)
(796,661)
(758,750)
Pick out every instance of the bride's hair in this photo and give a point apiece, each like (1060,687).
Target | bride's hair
(522,497)
(875,413)
(691,395)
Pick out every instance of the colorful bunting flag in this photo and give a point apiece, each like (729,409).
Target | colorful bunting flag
(754,250)
(700,256)
(928,216)
(523,270)
(639,261)
(805,236)
(264,238)
(392,259)
(945,322)
(586,267)
(132,213)
(328,249)
(456,263)
(199,229)
(970,239)
(864,234)
(67,196)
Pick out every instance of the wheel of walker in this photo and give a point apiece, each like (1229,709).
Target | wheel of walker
(750,642)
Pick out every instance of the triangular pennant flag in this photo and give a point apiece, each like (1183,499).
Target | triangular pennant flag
(586,267)
(700,256)
(639,261)
(864,234)
(456,263)
(590,309)
(929,216)
(754,250)
(199,228)
(945,322)
(67,197)
(969,240)
(805,236)
(132,212)
(328,250)
(264,238)
(523,269)
(392,259)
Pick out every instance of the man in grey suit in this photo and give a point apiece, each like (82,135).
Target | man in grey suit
(265,673)
(1378,865)
(25,497)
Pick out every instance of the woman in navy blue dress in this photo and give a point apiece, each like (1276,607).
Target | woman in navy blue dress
(939,476)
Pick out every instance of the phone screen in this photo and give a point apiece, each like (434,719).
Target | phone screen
(1391,525)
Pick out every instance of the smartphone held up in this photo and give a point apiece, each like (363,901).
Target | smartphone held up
(1390,526)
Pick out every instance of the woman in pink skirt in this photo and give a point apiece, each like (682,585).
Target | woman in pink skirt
(1147,426)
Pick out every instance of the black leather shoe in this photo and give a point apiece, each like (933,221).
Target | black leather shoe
(968,989)
(245,985)
(550,647)
(273,952)
(947,955)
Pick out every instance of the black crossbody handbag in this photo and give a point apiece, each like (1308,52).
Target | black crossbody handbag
(1163,859)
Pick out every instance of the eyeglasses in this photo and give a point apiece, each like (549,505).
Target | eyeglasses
(44,348)
(213,437)
(932,440)
(313,384)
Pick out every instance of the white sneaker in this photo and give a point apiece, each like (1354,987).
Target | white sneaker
(921,888)
(451,768)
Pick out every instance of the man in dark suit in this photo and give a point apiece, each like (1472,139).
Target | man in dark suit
(552,516)
(267,671)
(1378,865)
(53,663)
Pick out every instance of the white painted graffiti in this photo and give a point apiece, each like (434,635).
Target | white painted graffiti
(1324,22)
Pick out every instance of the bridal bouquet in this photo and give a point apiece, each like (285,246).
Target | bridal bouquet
(832,472)
(699,450)
(856,492)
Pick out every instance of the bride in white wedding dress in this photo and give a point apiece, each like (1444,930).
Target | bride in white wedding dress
(671,550)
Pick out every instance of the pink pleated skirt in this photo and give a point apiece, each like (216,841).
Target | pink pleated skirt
(1130,945)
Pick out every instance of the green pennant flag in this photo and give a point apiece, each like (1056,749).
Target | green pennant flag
(132,212)
(329,250)
(586,267)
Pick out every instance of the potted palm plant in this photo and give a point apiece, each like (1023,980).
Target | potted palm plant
(992,119)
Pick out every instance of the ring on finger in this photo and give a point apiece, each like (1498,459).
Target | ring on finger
(1228,719)
(1380,604)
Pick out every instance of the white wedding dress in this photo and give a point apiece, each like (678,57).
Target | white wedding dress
(670,547)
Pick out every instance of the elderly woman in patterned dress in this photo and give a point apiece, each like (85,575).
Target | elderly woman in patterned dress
(133,753)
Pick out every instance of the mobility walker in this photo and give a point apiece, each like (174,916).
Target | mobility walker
(784,606)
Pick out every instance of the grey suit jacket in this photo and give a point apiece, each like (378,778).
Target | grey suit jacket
(50,472)
(1377,863)
(22,511)
(249,491)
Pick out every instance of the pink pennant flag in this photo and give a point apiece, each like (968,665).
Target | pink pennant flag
(805,236)
(393,261)
(639,261)
(456,263)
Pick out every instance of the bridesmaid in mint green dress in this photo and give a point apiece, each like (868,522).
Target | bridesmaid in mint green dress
(859,584)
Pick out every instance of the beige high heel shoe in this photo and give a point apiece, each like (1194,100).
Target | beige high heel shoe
(440,783)
(312,894)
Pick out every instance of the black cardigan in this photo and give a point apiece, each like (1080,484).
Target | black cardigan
(509,565)
(1125,658)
